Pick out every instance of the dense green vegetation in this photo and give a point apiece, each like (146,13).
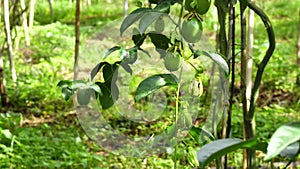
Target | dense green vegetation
(39,129)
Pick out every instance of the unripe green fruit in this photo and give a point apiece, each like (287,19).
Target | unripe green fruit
(191,30)
(172,62)
(83,96)
(199,6)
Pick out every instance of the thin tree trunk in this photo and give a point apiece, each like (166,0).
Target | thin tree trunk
(223,49)
(31,13)
(77,38)
(243,77)
(249,155)
(51,7)
(88,2)
(8,41)
(1,10)
(298,52)
(24,23)
(125,7)
(250,56)
(231,58)
(249,63)
(2,84)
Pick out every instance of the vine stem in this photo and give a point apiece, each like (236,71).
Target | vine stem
(177,115)
(177,94)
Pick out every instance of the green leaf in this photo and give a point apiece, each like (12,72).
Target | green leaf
(244,2)
(66,93)
(164,7)
(96,88)
(110,92)
(153,83)
(147,20)
(192,157)
(291,151)
(111,50)
(109,73)
(132,18)
(6,133)
(160,41)
(145,52)
(261,146)
(283,136)
(197,133)
(218,148)
(138,39)
(64,83)
(126,67)
(97,68)
(218,59)
(76,84)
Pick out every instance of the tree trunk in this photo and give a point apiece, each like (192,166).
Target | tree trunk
(1,6)
(249,155)
(222,45)
(24,23)
(250,56)
(2,84)
(298,53)
(8,41)
(77,38)
(125,7)
(88,3)
(243,78)
(31,13)
(51,7)
(231,59)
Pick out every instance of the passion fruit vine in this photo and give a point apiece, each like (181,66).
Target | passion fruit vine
(191,30)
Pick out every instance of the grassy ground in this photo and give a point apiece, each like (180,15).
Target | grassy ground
(40,129)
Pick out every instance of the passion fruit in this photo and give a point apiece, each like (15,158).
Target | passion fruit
(191,30)
(83,96)
(172,61)
(199,6)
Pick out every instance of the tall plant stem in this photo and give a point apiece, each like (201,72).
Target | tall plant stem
(249,116)
(264,62)
(298,53)
(9,41)
(176,116)
(231,58)
(77,38)
(222,45)
(247,159)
